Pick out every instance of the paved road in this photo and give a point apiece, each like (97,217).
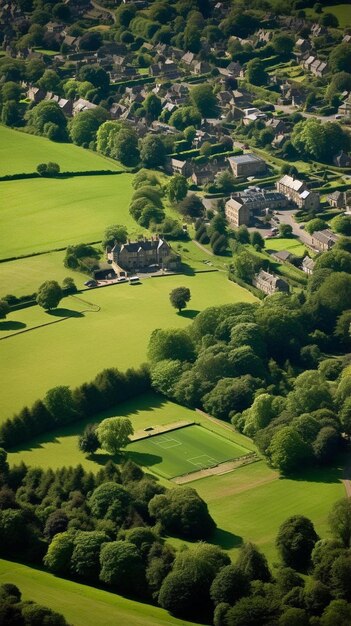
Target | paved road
(287,217)
(288,108)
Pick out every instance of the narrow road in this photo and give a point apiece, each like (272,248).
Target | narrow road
(287,217)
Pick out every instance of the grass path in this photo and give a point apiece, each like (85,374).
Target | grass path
(80,604)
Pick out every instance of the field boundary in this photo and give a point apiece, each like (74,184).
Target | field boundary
(216,470)
(159,430)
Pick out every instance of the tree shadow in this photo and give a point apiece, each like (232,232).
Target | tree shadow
(187,269)
(225,539)
(12,325)
(143,458)
(101,458)
(321,474)
(188,313)
(65,313)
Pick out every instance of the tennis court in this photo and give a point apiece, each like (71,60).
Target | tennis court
(184,450)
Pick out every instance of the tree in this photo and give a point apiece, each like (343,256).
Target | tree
(113,433)
(58,556)
(165,374)
(11,114)
(340,521)
(88,441)
(340,577)
(340,58)
(49,81)
(253,563)
(177,188)
(185,116)
(294,617)
(124,147)
(253,611)
(4,309)
(110,501)
(191,206)
(229,394)
(282,44)
(153,106)
(204,99)
(11,91)
(112,234)
(60,404)
(256,240)
(49,170)
(315,224)
(175,344)
(57,522)
(34,614)
(326,444)
(153,152)
(45,114)
(230,584)
(256,73)
(295,541)
(179,297)
(85,555)
(90,41)
(285,230)
(183,512)
(84,126)
(287,450)
(342,224)
(122,567)
(225,181)
(49,295)
(338,613)
(320,141)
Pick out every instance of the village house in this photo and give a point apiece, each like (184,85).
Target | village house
(82,105)
(308,265)
(345,108)
(337,199)
(201,67)
(242,207)
(142,255)
(35,94)
(298,192)
(269,283)
(247,165)
(324,240)
(177,166)
(65,105)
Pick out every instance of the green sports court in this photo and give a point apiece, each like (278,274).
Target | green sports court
(183,451)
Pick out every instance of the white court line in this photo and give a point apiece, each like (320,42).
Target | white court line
(196,460)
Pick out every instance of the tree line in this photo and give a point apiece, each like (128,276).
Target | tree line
(17,612)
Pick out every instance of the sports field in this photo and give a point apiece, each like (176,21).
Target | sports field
(183,451)
(80,604)
(43,214)
(88,340)
(21,153)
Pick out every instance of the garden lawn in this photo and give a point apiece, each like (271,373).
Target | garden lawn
(60,447)
(80,604)
(23,276)
(292,244)
(250,503)
(182,451)
(21,153)
(341,11)
(40,215)
(73,351)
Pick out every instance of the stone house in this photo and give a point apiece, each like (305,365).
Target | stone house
(35,94)
(247,165)
(324,240)
(308,265)
(345,108)
(337,199)
(241,207)
(140,255)
(176,166)
(298,192)
(269,283)
(237,212)
(201,67)
(82,105)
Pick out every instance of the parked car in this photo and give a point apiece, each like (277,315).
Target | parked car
(90,283)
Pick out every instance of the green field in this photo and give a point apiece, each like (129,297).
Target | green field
(21,153)
(183,451)
(75,350)
(250,503)
(341,11)
(83,605)
(42,214)
(293,245)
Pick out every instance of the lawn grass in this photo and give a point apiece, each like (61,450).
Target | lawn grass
(341,11)
(21,153)
(43,214)
(285,243)
(80,604)
(250,503)
(182,451)
(75,350)
(23,276)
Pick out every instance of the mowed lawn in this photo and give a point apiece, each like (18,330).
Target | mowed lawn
(285,243)
(74,351)
(250,503)
(39,215)
(341,11)
(183,450)
(60,447)
(20,153)
(80,604)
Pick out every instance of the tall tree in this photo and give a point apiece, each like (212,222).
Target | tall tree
(49,295)
(114,433)
(179,297)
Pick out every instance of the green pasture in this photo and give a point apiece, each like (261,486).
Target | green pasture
(341,11)
(80,604)
(75,350)
(60,447)
(43,214)
(23,276)
(292,244)
(250,503)
(21,153)
(183,450)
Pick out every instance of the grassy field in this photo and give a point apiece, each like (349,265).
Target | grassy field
(183,451)
(284,243)
(341,11)
(21,153)
(250,503)
(80,604)
(60,448)
(42,214)
(73,351)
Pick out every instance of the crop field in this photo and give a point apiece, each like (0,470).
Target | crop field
(21,153)
(80,604)
(250,503)
(88,340)
(43,214)
(183,450)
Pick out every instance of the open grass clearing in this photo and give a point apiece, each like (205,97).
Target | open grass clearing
(40,215)
(80,604)
(21,153)
(74,351)
(341,11)
(183,451)
(291,244)
(250,503)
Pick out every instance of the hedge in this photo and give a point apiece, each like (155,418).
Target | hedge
(61,174)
